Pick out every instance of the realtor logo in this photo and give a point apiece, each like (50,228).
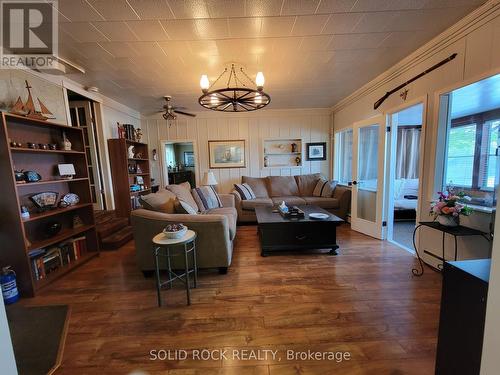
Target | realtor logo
(28,34)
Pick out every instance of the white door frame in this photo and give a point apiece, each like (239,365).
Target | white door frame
(374,229)
(164,165)
(391,165)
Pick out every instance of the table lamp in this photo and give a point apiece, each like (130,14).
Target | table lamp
(209,179)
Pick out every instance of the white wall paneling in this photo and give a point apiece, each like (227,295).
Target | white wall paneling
(312,125)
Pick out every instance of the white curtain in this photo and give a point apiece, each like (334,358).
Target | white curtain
(407,153)
(345,154)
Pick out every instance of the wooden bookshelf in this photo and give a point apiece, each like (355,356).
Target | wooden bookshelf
(123,179)
(20,235)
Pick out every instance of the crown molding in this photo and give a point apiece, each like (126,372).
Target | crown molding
(465,26)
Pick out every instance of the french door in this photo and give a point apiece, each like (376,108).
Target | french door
(368,170)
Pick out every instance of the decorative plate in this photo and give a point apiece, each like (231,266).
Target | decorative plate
(71,199)
(318,216)
(45,200)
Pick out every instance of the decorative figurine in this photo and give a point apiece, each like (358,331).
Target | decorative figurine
(28,109)
(138,134)
(298,160)
(65,143)
(131,152)
(294,147)
(25,213)
(155,154)
(266,161)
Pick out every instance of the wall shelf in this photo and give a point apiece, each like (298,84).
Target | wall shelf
(48,182)
(282,153)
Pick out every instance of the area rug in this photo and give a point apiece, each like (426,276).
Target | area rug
(38,334)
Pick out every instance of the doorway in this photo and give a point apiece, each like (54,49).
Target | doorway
(82,112)
(403,178)
(180,162)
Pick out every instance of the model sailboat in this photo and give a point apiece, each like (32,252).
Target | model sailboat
(28,109)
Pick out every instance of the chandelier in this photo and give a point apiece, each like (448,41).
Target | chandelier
(237,96)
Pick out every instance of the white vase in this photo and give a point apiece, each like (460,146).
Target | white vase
(447,220)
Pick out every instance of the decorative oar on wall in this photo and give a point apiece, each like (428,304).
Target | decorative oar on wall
(379,102)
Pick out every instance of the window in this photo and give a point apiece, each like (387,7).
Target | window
(472,159)
(343,156)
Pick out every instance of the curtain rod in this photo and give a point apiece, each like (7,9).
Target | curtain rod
(379,102)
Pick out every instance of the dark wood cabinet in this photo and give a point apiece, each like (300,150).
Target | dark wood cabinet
(180,177)
(463,311)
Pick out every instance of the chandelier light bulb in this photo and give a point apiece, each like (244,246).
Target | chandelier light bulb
(258,99)
(260,80)
(204,83)
(214,99)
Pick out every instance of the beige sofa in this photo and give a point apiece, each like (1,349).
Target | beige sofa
(215,230)
(294,190)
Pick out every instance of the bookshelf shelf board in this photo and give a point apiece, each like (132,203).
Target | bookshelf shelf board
(37,150)
(139,192)
(61,236)
(64,269)
(138,174)
(57,211)
(134,142)
(39,123)
(47,182)
(138,159)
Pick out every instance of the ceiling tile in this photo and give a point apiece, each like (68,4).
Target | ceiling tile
(277,26)
(116,31)
(212,28)
(83,32)
(263,7)
(310,25)
(114,9)
(342,23)
(204,47)
(119,49)
(377,5)
(245,27)
(357,41)
(151,9)
(376,22)
(335,6)
(180,29)
(148,30)
(92,50)
(299,7)
(78,10)
(315,43)
(184,9)
(149,49)
(226,8)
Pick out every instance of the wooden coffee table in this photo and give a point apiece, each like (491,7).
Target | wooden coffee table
(280,234)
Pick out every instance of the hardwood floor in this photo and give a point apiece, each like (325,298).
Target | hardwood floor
(364,301)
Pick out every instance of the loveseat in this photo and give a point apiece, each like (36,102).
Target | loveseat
(294,191)
(215,230)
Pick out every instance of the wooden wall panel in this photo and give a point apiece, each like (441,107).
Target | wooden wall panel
(310,125)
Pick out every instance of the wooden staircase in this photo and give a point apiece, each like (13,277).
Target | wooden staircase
(113,232)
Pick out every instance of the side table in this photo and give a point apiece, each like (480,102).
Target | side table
(458,231)
(163,247)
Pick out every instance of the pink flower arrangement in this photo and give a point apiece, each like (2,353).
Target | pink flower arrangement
(451,203)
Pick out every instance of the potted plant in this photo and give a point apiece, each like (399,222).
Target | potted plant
(450,205)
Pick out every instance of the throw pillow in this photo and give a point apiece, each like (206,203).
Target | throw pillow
(324,188)
(163,201)
(206,198)
(245,191)
(182,207)
(183,193)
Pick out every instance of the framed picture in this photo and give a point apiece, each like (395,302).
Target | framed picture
(316,151)
(139,180)
(226,154)
(189,158)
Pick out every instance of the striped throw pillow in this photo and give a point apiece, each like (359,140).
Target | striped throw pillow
(324,188)
(245,191)
(206,198)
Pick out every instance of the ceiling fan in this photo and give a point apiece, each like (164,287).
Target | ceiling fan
(172,111)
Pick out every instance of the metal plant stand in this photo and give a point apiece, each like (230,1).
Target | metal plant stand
(167,248)
(458,231)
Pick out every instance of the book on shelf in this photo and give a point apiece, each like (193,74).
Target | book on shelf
(48,260)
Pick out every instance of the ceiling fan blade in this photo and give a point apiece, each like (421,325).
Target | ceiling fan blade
(184,113)
(176,107)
